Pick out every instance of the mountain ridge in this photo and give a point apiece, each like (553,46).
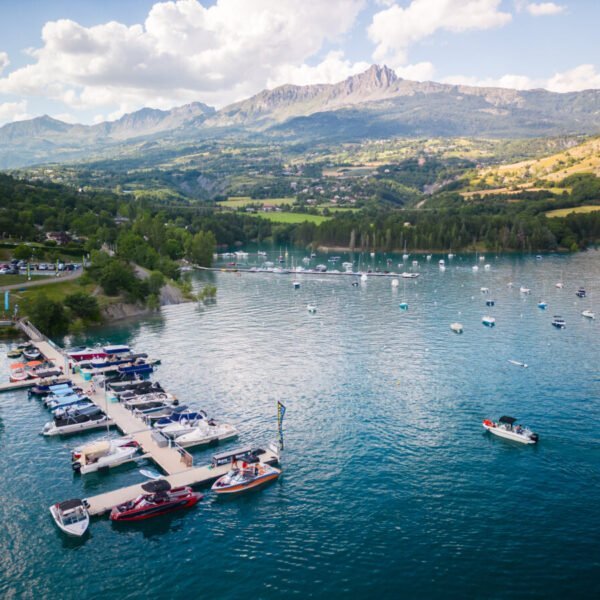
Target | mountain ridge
(374,103)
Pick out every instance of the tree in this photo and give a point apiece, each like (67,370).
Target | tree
(83,305)
(115,277)
(22,252)
(201,248)
(48,315)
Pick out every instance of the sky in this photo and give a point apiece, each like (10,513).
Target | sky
(88,61)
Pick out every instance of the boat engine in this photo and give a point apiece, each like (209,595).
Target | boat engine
(535,437)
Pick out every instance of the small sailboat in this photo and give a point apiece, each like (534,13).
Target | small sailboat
(363,277)
(296,284)
(518,363)
(487,267)
(542,305)
(488,321)
(475,268)
(429,257)
(71,517)
(395,283)
(506,428)
(456,327)
(450,255)
(524,290)
(588,314)
(441,262)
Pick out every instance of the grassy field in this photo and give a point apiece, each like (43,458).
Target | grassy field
(289,217)
(241,201)
(583,158)
(11,279)
(563,212)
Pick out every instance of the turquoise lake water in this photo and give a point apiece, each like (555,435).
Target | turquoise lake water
(391,487)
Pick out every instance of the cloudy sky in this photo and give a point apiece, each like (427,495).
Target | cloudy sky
(91,60)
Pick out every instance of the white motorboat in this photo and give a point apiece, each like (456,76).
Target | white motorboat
(139,401)
(484,290)
(311,308)
(103,454)
(71,517)
(487,267)
(181,427)
(296,284)
(506,428)
(524,290)
(559,285)
(488,321)
(415,263)
(207,433)
(588,314)
(409,275)
(450,255)
(405,256)
(482,258)
(441,262)
(475,268)
(395,283)
(456,327)
(76,424)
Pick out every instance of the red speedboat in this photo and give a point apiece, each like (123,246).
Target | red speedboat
(160,499)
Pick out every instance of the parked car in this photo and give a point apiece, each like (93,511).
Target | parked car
(42,267)
(51,267)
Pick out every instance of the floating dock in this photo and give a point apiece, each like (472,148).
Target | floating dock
(175,461)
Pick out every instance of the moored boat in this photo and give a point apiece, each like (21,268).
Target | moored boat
(488,321)
(542,305)
(76,423)
(580,293)
(558,322)
(588,314)
(160,498)
(71,517)
(311,308)
(456,327)
(506,428)
(103,454)
(247,477)
(207,432)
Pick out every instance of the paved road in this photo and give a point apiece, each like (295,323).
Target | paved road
(64,276)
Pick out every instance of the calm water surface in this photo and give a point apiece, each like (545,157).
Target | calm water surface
(391,488)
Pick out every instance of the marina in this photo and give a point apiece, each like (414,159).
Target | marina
(385,418)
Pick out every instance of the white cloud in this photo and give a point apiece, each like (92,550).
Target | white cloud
(395,29)
(422,71)
(4,62)
(583,77)
(13,111)
(183,51)
(333,68)
(542,9)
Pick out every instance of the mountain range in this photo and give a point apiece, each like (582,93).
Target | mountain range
(373,104)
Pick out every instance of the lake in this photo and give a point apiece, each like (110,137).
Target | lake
(391,488)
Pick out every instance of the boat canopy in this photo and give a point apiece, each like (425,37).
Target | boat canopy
(158,485)
(507,420)
(237,454)
(70,504)
(116,349)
